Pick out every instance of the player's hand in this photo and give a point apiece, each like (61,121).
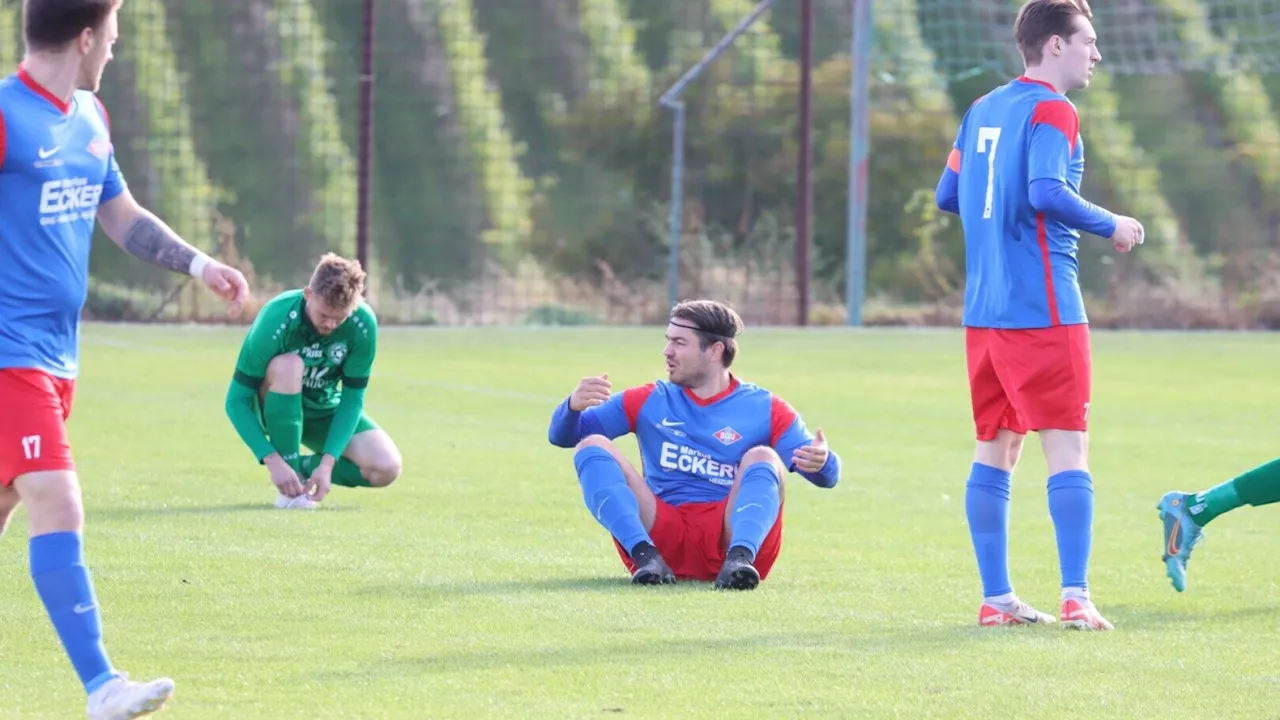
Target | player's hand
(320,482)
(227,283)
(1129,232)
(283,476)
(813,456)
(591,391)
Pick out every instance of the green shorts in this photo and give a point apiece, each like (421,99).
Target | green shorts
(315,428)
(315,425)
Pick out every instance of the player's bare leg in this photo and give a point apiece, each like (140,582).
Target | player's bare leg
(9,501)
(1070,493)
(1001,454)
(56,518)
(375,456)
(281,399)
(750,515)
(598,462)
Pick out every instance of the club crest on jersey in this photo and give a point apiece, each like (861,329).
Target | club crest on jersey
(728,436)
(337,353)
(99,148)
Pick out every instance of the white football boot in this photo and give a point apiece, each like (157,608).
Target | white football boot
(302,502)
(123,699)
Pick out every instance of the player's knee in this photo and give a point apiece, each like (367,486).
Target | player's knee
(1001,452)
(1014,451)
(53,501)
(763,454)
(384,470)
(284,373)
(599,441)
(1065,450)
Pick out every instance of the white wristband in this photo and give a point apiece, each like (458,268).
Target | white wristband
(198,264)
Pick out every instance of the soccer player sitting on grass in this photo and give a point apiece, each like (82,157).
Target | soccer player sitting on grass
(285,395)
(1185,514)
(714,450)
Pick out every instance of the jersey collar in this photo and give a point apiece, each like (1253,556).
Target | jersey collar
(306,319)
(1025,79)
(733,385)
(41,90)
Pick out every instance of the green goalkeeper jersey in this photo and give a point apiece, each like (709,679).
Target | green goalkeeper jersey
(345,355)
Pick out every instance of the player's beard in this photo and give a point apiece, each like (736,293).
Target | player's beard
(688,377)
(90,77)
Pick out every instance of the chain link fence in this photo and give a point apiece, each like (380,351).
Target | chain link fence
(522,164)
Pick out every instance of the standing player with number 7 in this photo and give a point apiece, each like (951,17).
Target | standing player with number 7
(1013,177)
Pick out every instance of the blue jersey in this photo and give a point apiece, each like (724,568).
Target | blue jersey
(56,166)
(690,448)
(1021,266)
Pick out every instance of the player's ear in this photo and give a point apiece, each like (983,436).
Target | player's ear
(717,350)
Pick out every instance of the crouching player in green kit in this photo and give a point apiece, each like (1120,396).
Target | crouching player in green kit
(285,394)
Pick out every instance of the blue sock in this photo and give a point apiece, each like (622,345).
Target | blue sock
(611,502)
(1071,507)
(63,583)
(756,507)
(986,505)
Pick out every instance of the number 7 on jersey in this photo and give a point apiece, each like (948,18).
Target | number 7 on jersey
(989,135)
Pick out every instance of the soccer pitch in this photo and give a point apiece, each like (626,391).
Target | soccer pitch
(478,586)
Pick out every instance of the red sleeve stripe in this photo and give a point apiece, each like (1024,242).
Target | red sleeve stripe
(782,417)
(1060,114)
(3,146)
(105,116)
(632,400)
(953,161)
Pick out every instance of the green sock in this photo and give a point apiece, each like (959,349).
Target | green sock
(282,416)
(345,472)
(1259,486)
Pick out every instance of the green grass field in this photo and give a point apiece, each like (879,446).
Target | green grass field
(479,586)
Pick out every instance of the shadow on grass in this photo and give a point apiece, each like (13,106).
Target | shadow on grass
(464,588)
(127,513)
(645,643)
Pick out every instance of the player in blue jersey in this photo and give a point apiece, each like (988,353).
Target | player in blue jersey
(58,174)
(707,502)
(1013,177)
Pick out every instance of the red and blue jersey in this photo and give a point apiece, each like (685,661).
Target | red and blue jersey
(56,167)
(1014,177)
(691,447)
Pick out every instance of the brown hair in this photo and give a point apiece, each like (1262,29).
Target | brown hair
(51,24)
(338,281)
(713,322)
(1039,20)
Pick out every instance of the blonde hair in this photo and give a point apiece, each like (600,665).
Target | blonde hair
(338,281)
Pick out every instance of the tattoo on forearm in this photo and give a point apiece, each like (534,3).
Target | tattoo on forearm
(150,240)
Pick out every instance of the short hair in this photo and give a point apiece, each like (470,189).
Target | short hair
(338,281)
(52,24)
(1039,20)
(712,322)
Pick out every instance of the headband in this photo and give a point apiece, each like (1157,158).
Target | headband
(694,328)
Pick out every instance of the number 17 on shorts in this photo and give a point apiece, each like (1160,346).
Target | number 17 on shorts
(33,427)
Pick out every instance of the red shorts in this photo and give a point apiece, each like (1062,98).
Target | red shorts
(33,425)
(692,539)
(1024,380)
